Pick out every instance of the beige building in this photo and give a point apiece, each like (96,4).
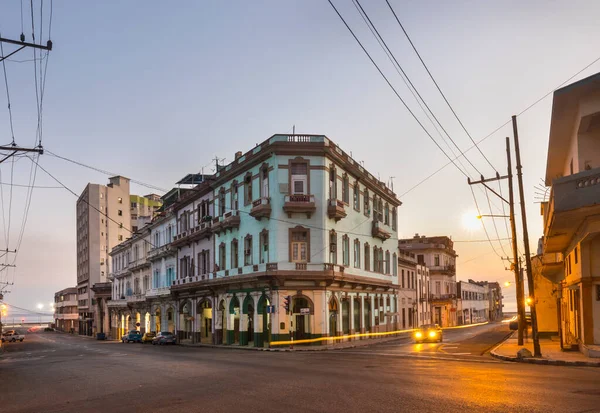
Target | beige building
(473,302)
(571,244)
(438,255)
(66,315)
(413,292)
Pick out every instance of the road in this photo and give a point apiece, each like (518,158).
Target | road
(53,372)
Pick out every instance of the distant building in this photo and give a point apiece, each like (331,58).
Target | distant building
(495,297)
(103,221)
(473,302)
(437,253)
(143,209)
(66,315)
(413,291)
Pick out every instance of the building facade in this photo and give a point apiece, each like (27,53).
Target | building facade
(143,209)
(66,315)
(413,291)
(296,219)
(473,302)
(438,255)
(571,245)
(103,220)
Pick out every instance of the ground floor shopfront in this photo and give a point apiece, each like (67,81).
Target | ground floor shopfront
(148,316)
(255,314)
(444,312)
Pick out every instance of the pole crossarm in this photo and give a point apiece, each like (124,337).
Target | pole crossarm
(483,182)
(16,148)
(12,53)
(26,44)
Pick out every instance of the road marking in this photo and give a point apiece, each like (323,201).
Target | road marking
(447,347)
(459,354)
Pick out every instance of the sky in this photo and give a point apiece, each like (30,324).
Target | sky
(154,92)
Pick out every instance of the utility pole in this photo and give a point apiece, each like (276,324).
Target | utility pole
(515,263)
(537,352)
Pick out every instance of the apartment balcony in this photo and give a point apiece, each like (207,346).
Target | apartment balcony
(553,267)
(442,298)
(443,269)
(138,264)
(336,209)
(158,292)
(118,303)
(69,303)
(379,232)
(573,199)
(230,220)
(136,298)
(299,203)
(160,252)
(201,231)
(120,273)
(261,208)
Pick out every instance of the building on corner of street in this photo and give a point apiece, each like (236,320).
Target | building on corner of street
(66,315)
(546,297)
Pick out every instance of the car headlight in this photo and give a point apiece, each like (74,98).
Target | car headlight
(432,334)
(418,334)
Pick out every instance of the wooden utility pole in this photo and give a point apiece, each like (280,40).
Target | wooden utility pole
(515,263)
(537,352)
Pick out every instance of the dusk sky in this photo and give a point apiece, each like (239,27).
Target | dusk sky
(153,92)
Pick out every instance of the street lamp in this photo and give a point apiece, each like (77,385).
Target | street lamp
(40,306)
(529,301)
(507,284)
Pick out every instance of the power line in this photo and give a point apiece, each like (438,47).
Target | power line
(438,87)
(482,240)
(394,89)
(12,131)
(484,228)
(500,127)
(106,172)
(397,64)
(494,222)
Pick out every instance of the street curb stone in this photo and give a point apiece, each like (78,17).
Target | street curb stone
(548,362)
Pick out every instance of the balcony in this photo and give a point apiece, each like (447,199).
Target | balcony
(443,269)
(68,303)
(160,252)
(261,208)
(201,231)
(299,203)
(442,298)
(553,266)
(158,292)
(573,199)
(118,303)
(67,316)
(336,209)
(229,220)
(136,298)
(378,231)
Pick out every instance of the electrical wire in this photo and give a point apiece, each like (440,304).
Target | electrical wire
(105,172)
(394,89)
(438,87)
(397,64)
(500,127)
(494,223)
(484,228)
(10,117)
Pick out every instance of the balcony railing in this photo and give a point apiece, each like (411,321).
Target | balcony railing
(299,203)
(229,220)
(379,232)
(336,209)
(157,292)
(261,208)
(442,297)
(573,198)
(200,231)
(136,298)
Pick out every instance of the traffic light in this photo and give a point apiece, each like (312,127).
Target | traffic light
(287,300)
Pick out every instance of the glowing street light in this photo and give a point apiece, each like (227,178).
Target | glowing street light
(529,301)
(507,284)
(40,306)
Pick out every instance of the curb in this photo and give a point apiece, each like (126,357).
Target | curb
(547,362)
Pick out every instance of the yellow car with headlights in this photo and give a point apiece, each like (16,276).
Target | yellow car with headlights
(428,332)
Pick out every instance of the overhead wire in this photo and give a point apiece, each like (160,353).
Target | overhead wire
(484,228)
(438,87)
(394,89)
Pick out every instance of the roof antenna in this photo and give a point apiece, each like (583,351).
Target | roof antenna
(392,182)
(293,129)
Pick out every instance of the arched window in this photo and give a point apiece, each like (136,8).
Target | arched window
(235,261)
(222,206)
(366,207)
(346,250)
(234,196)
(332,182)
(356,196)
(394,219)
(395,265)
(356,253)
(375,259)
(367,257)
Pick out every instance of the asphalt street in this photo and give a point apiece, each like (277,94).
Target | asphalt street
(54,372)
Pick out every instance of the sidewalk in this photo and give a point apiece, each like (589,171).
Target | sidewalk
(551,353)
(324,347)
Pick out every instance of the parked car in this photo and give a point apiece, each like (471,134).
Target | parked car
(164,338)
(148,337)
(514,324)
(11,336)
(132,337)
(428,332)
